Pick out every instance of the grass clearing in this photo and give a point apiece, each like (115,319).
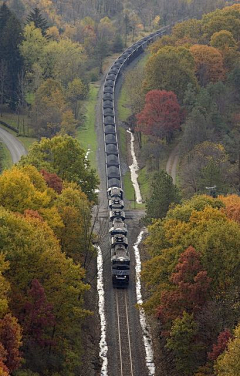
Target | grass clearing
(20,122)
(7,159)
(123,113)
(27,141)
(17,122)
(144,180)
(123,108)
(86,134)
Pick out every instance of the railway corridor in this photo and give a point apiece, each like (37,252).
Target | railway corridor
(126,366)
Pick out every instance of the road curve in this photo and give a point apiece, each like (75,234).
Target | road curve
(15,147)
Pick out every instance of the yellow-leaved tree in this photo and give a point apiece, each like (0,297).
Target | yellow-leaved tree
(228,364)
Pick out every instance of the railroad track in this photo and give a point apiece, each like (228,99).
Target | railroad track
(126,367)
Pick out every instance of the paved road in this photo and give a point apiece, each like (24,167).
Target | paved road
(15,147)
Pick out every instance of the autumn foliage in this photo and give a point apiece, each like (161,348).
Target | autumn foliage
(221,344)
(208,64)
(38,316)
(160,116)
(53,181)
(191,288)
(10,339)
(193,282)
(232,207)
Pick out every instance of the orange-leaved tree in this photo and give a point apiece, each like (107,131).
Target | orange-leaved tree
(208,64)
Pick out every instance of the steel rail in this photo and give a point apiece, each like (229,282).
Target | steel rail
(123,329)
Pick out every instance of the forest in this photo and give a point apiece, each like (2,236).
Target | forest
(187,94)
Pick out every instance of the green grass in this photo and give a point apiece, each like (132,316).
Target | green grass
(86,133)
(123,103)
(144,180)
(122,140)
(123,108)
(123,113)
(7,159)
(27,141)
(16,121)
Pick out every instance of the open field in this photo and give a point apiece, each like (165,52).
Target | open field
(86,134)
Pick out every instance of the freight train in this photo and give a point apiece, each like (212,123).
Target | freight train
(120,257)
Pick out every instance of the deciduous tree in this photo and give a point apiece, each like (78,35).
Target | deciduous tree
(191,288)
(171,69)
(182,342)
(222,341)
(160,116)
(208,64)
(229,362)
(53,181)
(64,156)
(38,318)
(11,340)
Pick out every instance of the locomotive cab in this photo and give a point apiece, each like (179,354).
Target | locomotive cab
(116,203)
(120,261)
(118,227)
(116,214)
(119,239)
(115,192)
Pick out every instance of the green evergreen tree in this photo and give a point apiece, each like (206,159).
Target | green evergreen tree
(39,21)
(118,43)
(164,193)
(11,37)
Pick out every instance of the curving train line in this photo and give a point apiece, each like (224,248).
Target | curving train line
(120,258)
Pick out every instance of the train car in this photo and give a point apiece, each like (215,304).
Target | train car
(114,183)
(111,139)
(110,129)
(111,149)
(108,104)
(112,160)
(120,265)
(108,111)
(115,192)
(109,82)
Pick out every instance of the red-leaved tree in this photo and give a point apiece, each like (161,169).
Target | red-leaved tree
(160,116)
(10,340)
(221,345)
(190,288)
(4,371)
(38,319)
(53,181)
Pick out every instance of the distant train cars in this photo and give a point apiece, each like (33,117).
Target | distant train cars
(120,257)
